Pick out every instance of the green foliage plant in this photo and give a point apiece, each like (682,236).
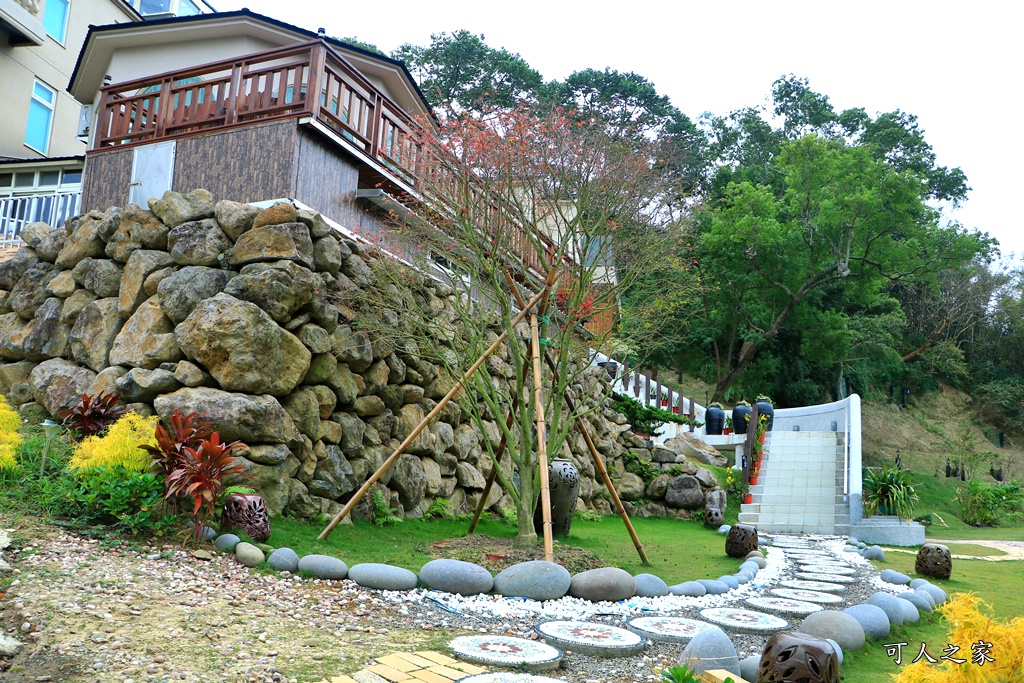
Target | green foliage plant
(200,475)
(888,489)
(10,436)
(441,508)
(680,674)
(93,414)
(120,445)
(982,505)
(380,510)
(644,418)
(642,468)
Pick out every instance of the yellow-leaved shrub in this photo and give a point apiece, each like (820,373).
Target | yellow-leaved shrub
(970,624)
(119,446)
(10,437)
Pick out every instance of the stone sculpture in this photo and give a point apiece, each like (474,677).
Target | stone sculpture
(742,539)
(713,518)
(791,656)
(934,560)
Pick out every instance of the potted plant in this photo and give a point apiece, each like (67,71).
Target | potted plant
(727,430)
(888,492)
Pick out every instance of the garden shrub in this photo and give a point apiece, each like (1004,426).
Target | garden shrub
(10,436)
(982,505)
(121,445)
(93,414)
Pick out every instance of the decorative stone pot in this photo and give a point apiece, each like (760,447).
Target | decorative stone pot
(741,541)
(792,656)
(564,480)
(934,560)
(741,418)
(714,420)
(247,512)
(765,407)
(713,518)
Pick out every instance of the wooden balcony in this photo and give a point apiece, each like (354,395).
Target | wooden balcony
(305,81)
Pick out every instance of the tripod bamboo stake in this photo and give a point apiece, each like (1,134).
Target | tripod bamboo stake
(542,441)
(433,413)
(598,463)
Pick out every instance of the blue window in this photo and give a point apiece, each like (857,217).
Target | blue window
(55,19)
(40,117)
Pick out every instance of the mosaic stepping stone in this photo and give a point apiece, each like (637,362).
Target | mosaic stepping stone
(830,569)
(828,578)
(800,608)
(808,596)
(507,677)
(824,586)
(813,559)
(667,629)
(506,651)
(591,638)
(743,620)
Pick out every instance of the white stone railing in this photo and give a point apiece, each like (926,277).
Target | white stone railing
(18,212)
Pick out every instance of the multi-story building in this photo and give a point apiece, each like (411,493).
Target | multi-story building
(44,133)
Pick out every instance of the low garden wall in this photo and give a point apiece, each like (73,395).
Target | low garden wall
(233,312)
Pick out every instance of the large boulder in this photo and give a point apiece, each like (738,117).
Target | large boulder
(304,409)
(692,447)
(839,626)
(100,276)
(182,291)
(84,242)
(285,241)
(42,338)
(142,386)
(684,492)
(136,229)
(409,480)
(50,245)
(383,577)
(198,243)
(251,419)
(31,291)
(173,209)
(147,339)
(607,583)
(12,270)
(352,348)
(93,333)
(141,264)
(234,217)
(242,347)
(630,486)
(456,576)
(58,384)
(536,580)
(333,475)
(280,288)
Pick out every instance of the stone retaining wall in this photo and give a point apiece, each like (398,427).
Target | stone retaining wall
(231,311)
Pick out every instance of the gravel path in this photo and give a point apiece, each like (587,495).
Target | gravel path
(91,613)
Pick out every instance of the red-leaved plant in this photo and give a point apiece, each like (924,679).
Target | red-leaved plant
(199,474)
(93,415)
(187,431)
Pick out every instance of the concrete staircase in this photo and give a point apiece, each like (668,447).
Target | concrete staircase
(800,488)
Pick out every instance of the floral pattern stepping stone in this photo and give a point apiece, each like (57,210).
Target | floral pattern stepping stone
(507,677)
(825,586)
(828,578)
(592,638)
(807,596)
(841,570)
(667,629)
(506,651)
(798,608)
(743,620)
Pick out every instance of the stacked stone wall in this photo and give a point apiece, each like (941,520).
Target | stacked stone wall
(232,311)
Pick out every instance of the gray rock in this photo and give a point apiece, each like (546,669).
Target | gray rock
(336,471)
(684,492)
(250,419)
(839,626)
(910,612)
(750,565)
(874,553)
(537,580)
(917,583)
(456,576)
(135,230)
(607,583)
(714,587)
(749,666)
(838,650)
(182,291)
(142,386)
(918,601)
(227,542)
(9,647)
(850,549)
(284,560)
(285,241)
(323,566)
(724,529)
(101,276)
(198,243)
(757,558)
(173,209)
(248,554)
(938,595)
(729,581)
(234,218)
(711,649)
(93,333)
(892,607)
(12,270)
(280,288)
(689,588)
(926,596)
(32,290)
(353,348)
(409,480)
(59,384)
(892,576)
(650,586)
(872,619)
(743,577)
(383,577)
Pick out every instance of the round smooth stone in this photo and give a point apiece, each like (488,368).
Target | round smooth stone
(227,542)
(650,586)
(667,629)
(710,649)
(938,595)
(757,558)
(872,619)
(537,580)
(607,583)
(807,596)
(730,581)
(892,607)
(323,566)
(849,549)
(762,541)
(892,576)
(506,651)
(691,589)
(743,620)
(724,529)
(749,666)
(714,587)
(249,555)
(509,677)
(920,602)
(839,626)
(456,576)
(826,586)
(853,540)
(742,577)
(383,577)
(284,560)
(798,608)
(813,576)
(829,569)
(751,566)
(591,638)
(874,553)
(911,614)
(917,583)
(927,596)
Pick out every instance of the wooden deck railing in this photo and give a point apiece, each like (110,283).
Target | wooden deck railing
(269,85)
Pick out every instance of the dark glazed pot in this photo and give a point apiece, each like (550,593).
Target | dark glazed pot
(564,480)
(765,407)
(792,656)
(247,512)
(740,418)
(714,420)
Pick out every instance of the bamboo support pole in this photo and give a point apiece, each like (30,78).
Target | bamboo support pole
(433,413)
(542,441)
(598,463)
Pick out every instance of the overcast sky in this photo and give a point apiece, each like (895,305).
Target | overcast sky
(957,66)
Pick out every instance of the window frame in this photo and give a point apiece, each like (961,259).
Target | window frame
(64,24)
(51,107)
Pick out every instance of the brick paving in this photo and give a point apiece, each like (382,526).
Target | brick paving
(423,666)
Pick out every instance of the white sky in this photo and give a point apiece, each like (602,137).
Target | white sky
(957,66)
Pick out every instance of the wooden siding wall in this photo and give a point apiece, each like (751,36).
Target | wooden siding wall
(244,164)
(106,179)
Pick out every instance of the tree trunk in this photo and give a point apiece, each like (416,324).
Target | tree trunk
(527,536)
(748,352)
